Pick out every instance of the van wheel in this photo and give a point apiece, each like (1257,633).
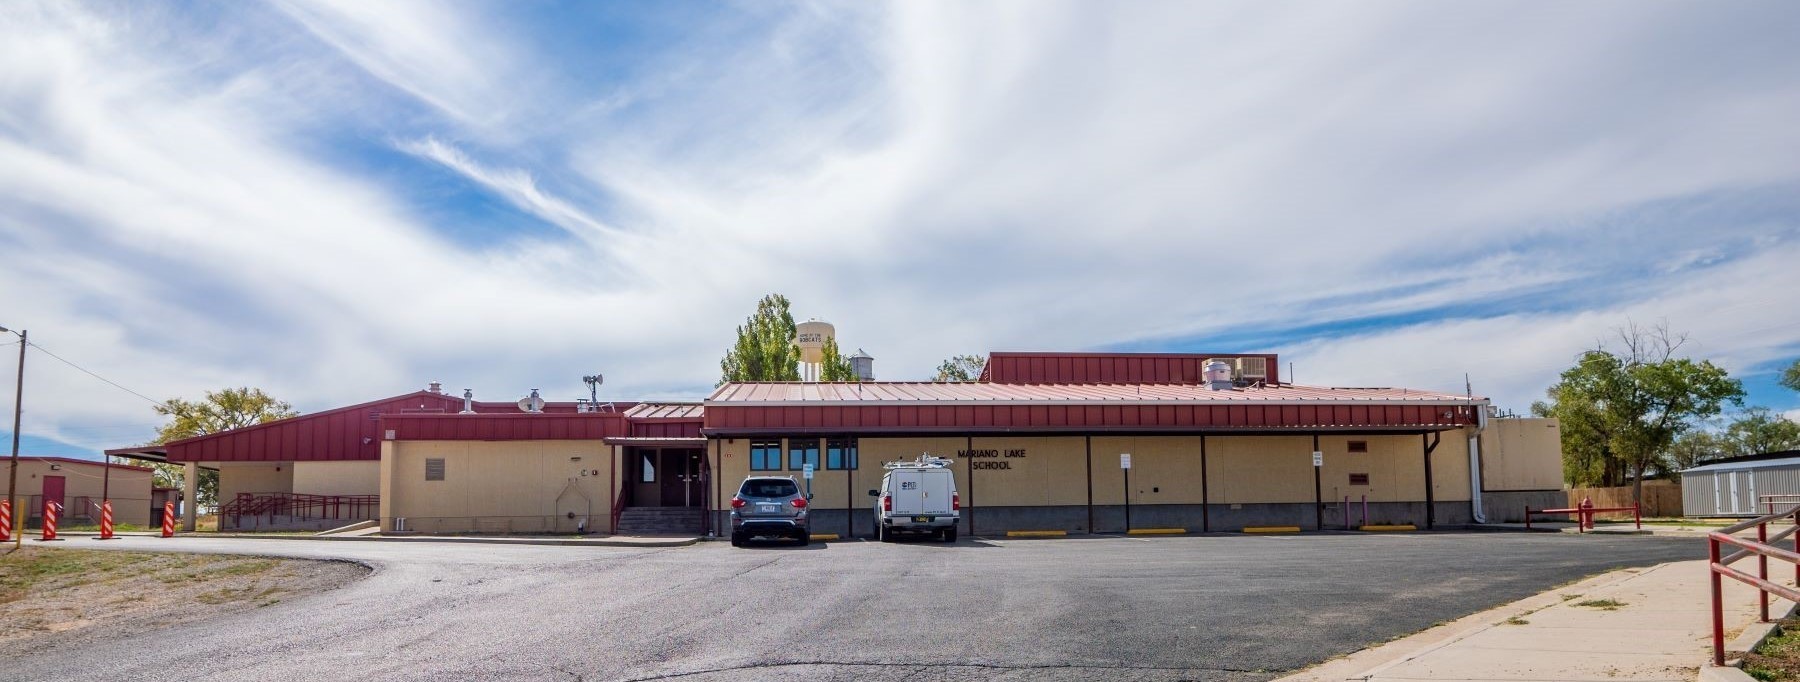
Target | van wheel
(950,534)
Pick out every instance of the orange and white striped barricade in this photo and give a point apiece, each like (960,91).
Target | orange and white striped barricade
(106,529)
(168,520)
(5,520)
(51,509)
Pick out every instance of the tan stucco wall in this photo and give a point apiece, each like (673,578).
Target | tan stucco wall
(237,478)
(1522,454)
(337,478)
(496,486)
(130,490)
(1165,469)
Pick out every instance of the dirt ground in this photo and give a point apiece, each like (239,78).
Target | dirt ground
(50,597)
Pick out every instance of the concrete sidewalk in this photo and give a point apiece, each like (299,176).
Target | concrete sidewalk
(1660,630)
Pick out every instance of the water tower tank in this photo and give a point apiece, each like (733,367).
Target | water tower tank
(862,365)
(810,336)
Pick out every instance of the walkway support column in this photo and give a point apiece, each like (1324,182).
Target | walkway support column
(1431,443)
(190,487)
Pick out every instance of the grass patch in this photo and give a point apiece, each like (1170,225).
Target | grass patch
(23,571)
(1777,659)
(1602,604)
(1567,597)
(1515,620)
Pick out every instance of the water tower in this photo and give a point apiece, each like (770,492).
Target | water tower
(810,336)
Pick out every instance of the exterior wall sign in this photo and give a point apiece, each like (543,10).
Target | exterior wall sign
(991,459)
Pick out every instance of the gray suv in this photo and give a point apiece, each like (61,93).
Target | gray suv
(768,506)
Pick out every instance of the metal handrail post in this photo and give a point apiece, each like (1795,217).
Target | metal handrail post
(1718,606)
(1762,571)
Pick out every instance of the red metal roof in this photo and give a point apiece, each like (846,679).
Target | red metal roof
(1110,368)
(85,462)
(791,393)
(917,407)
(684,410)
(504,426)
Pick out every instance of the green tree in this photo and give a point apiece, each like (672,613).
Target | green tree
(765,349)
(1759,430)
(1791,376)
(1693,449)
(1626,407)
(221,410)
(960,368)
(833,366)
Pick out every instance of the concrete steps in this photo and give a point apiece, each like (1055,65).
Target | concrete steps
(661,521)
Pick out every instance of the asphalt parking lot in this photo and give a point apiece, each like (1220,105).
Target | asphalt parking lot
(1172,608)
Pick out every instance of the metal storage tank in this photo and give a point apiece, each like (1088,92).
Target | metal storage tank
(1736,486)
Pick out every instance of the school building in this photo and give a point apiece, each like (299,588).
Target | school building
(79,486)
(1215,443)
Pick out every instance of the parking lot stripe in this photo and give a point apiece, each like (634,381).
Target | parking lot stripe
(1036,533)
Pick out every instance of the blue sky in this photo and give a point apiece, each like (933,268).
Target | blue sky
(337,201)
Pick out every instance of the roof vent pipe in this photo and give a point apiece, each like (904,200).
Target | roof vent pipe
(435,387)
(468,401)
(1217,375)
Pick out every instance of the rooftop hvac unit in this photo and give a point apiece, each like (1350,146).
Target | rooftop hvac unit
(1253,369)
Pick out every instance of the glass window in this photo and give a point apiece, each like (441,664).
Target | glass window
(840,453)
(801,452)
(769,488)
(765,455)
(649,470)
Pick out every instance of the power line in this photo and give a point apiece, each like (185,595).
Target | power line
(88,372)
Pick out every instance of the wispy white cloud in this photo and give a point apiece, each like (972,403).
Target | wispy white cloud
(198,203)
(516,185)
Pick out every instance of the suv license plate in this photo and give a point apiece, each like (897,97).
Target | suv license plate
(767,508)
(922,519)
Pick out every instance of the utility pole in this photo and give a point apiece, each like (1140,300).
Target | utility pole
(12,484)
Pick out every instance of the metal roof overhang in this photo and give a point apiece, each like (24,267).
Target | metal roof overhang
(652,442)
(146,453)
(890,432)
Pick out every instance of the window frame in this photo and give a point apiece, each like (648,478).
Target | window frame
(799,464)
(759,451)
(442,469)
(848,452)
(647,467)
(1357,447)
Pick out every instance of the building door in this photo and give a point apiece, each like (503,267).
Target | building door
(681,478)
(53,492)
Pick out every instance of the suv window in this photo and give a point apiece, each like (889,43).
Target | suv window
(781,488)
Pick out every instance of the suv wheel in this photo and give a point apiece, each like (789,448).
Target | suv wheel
(737,539)
(804,538)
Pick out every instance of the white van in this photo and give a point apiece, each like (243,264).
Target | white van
(918,497)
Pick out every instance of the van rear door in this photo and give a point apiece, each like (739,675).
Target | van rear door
(907,488)
(939,485)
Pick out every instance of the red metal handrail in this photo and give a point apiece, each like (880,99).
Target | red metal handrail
(302,505)
(1719,568)
(1584,514)
(618,508)
(1770,500)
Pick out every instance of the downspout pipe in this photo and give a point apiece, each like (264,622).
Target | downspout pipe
(1481,419)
